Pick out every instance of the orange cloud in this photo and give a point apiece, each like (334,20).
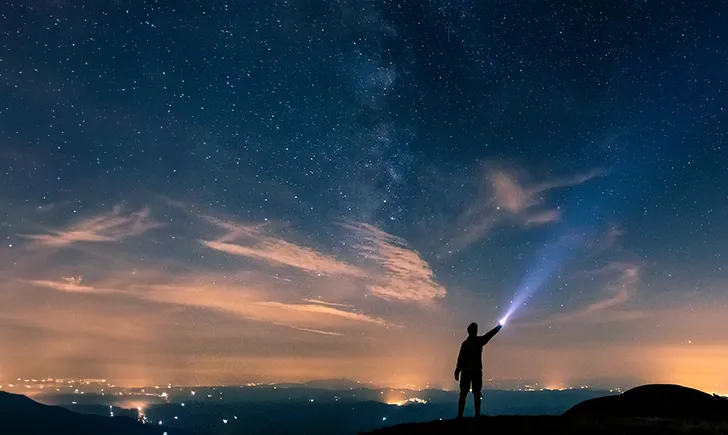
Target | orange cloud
(279,252)
(315,331)
(107,227)
(251,303)
(321,309)
(275,251)
(71,285)
(393,271)
(226,293)
(332,304)
(407,277)
(543,217)
(506,197)
(509,194)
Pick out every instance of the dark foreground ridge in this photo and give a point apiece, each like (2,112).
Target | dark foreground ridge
(655,401)
(20,415)
(650,409)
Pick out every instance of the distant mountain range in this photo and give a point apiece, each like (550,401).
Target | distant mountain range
(213,410)
(289,410)
(329,384)
(307,410)
(20,415)
(495,401)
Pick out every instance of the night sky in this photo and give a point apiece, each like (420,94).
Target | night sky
(219,192)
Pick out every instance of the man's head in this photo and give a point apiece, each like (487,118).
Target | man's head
(473,329)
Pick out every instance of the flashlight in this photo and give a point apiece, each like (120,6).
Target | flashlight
(502,321)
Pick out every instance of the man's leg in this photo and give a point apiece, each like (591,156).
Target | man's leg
(477,392)
(476,399)
(464,388)
(461,403)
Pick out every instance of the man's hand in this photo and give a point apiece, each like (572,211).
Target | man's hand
(457,375)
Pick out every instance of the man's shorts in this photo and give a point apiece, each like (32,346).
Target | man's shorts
(471,379)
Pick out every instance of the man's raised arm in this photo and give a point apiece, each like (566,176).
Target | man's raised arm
(484,339)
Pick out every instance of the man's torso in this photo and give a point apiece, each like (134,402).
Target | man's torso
(471,355)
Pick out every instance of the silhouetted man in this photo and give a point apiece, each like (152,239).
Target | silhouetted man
(469,369)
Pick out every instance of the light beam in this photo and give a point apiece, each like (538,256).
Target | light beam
(548,262)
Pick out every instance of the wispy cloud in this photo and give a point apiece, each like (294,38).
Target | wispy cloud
(251,241)
(407,276)
(609,241)
(221,294)
(237,230)
(573,180)
(619,290)
(315,331)
(391,270)
(622,280)
(106,227)
(321,309)
(254,304)
(507,197)
(71,285)
(332,304)
(279,252)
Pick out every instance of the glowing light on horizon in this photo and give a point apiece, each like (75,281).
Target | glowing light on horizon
(410,401)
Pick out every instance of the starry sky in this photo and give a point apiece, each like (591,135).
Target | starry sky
(229,191)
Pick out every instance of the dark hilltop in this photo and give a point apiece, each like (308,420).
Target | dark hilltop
(649,409)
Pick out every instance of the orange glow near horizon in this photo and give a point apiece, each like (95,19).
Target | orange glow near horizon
(700,367)
(286,312)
